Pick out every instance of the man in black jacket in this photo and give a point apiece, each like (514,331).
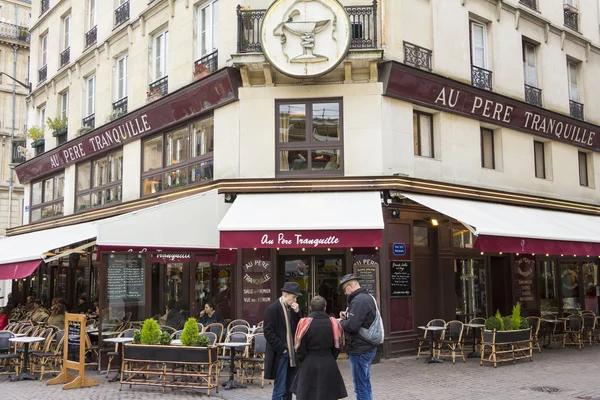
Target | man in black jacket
(361,313)
(281,320)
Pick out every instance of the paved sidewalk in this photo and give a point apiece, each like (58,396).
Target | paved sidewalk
(568,374)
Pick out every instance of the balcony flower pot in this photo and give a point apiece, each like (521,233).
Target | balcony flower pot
(59,132)
(38,143)
(201,74)
(153,95)
(83,130)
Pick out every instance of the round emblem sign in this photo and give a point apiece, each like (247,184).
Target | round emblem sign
(305,38)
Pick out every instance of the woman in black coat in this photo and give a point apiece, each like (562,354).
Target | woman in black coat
(317,348)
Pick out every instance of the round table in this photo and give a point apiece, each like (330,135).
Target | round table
(551,329)
(233,346)
(119,341)
(475,327)
(432,359)
(26,340)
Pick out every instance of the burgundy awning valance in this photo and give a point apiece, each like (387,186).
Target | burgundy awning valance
(18,270)
(301,239)
(535,246)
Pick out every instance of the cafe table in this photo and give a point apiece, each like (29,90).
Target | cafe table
(233,346)
(475,327)
(551,329)
(26,340)
(119,341)
(432,359)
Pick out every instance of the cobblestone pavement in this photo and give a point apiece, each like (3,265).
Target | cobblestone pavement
(571,372)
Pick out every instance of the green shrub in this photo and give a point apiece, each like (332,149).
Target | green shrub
(137,337)
(57,123)
(507,323)
(150,332)
(35,133)
(190,334)
(165,339)
(516,317)
(493,323)
(499,318)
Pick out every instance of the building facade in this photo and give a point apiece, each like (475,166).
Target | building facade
(445,151)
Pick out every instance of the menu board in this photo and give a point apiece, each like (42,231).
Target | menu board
(400,279)
(525,282)
(74,338)
(256,288)
(125,279)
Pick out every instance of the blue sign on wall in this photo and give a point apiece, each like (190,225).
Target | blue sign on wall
(399,249)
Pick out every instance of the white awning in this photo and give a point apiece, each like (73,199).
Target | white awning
(186,223)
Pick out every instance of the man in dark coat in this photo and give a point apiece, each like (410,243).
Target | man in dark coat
(361,313)
(319,340)
(280,322)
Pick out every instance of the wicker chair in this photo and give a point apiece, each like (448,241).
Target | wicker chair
(257,360)
(216,328)
(240,328)
(235,337)
(573,331)
(436,335)
(8,355)
(51,357)
(452,340)
(212,337)
(112,354)
(589,326)
(237,322)
(534,323)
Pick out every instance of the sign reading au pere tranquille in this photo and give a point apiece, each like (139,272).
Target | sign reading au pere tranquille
(441,93)
(191,101)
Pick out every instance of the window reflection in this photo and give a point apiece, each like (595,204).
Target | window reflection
(471,289)
(36,193)
(293,160)
(177,147)
(174,285)
(462,238)
(547,279)
(326,122)
(569,285)
(292,123)
(153,153)
(84,171)
(326,159)
(203,136)
(590,282)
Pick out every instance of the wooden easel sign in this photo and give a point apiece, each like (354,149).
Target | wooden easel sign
(74,354)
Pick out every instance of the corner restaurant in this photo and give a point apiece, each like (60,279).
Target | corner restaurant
(425,249)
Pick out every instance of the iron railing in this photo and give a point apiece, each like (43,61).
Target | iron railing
(89,121)
(43,74)
(65,57)
(571,19)
(91,36)
(19,151)
(122,13)
(533,95)
(481,78)
(529,3)
(120,105)
(576,109)
(210,61)
(363,27)
(15,32)
(162,84)
(44,7)
(417,56)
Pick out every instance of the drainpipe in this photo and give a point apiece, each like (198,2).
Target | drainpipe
(12,139)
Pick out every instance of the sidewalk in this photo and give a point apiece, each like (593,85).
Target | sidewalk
(555,374)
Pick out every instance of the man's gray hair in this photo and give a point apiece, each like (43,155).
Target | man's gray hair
(318,303)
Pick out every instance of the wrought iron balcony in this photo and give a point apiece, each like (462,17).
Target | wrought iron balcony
(45,6)
(162,85)
(19,152)
(122,13)
(481,78)
(533,95)
(417,56)
(210,61)
(571,19)
(576,109)
(89,121)
(91,36)
(65,57)
(120,105)
(15,32)
(42,74)
(363,26)
(529,3)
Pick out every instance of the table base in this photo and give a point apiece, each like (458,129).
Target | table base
(232,384)
(23,377)
(433,360)
(474,354)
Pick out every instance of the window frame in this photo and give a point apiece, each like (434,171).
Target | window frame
(164,60)
(125,79)
(472,43)
(187,164)
(66,32)
(526,63)
(94,189)
(309,143)
(91,14)
(491,132)
(209,35)
(44,50)
(42,203)
(536,144)
(571,63)
(64,104)
(87,96)
(583,180)
(42,116)
(420,114)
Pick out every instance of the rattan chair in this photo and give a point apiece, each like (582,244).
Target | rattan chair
(255,361)
(112,354)
(212,337)
(452,341)
(436,335)
(589,326)
(534,323)
(238,337)
(216,328)
(51,357)
(573,331)
(8,354)
(237,322)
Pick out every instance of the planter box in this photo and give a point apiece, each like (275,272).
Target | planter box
(169,354)
(38,143)
(59,132)
(506,346)
(202,74)
(154,97)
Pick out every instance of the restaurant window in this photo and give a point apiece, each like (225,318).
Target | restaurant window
(539,159)
(423,134)
(47,198)
(487,149)
(99,182)
(213,283)
(547,286)
(178,158)
(309,137)
(462,238)
(590,283)
(125,287)
(471,289)
(208,28)
(569,285)
(583,169)
(421,234)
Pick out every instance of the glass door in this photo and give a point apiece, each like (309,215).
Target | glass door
(569,286)
(590,282)
(471,289)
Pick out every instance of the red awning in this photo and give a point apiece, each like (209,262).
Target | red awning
(18,270)
(535,246)
(301,239)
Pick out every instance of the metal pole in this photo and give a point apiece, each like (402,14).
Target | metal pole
(12,140)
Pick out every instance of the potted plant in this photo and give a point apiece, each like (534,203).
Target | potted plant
(154,94)
(247,17)
(191,336)
(115,114)
(83,130)
(200,71)
(36,135)
(58,125)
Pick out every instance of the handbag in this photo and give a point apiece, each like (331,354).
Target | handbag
(375,333)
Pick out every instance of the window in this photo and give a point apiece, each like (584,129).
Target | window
(99,182)
(309,137)
(572,3)
(42,117)
(573,81)
(178,158)
(487,148)
(121,78)
(91,17)
(420,234)
(208,27)
(160,52)
(529,64)
(423,134)
(66,22)
(64,105)
(44,49)
(478,45)
(90,94)
(539,159)
(583,169)
(47,198)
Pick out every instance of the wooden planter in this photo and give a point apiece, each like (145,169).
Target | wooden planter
(202,74)
(154,97)
(506,346)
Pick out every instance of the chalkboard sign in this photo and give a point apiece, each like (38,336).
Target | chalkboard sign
(74,338)
(366,269)
(400,279)
(125,279)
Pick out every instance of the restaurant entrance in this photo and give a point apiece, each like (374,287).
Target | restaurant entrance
(316,275)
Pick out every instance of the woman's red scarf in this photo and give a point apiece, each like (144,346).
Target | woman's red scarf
(304,324)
